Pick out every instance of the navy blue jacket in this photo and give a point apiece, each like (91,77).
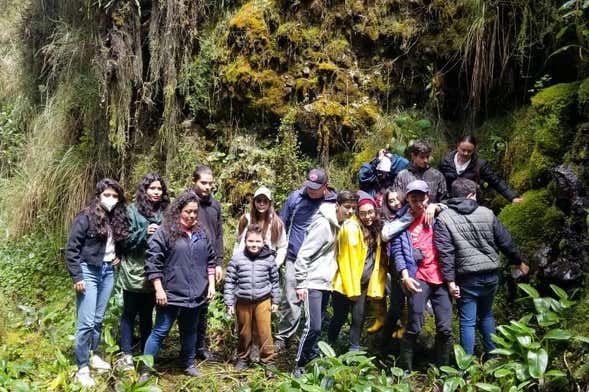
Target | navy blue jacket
(403,252)
(297,213)
(182,266)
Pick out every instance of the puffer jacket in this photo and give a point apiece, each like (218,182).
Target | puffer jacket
(316,266)
(252,279)
(351,256)
(404,253)
(434,179)
(478,169)
(209,217)
(183,266)
(468,238)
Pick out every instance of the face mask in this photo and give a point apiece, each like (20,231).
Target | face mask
(108,202)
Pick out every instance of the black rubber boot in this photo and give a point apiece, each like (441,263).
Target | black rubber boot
(406,352)
(443,345)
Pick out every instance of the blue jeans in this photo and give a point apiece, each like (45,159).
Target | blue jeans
(91,306)
(187,324)
(477,293)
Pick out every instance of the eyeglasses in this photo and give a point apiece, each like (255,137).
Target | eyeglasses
(364,214)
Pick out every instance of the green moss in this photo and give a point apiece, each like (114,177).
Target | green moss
(539,166)
(555,99)
(583,93)
(534,221)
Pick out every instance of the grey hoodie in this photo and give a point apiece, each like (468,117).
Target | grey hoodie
(316,264)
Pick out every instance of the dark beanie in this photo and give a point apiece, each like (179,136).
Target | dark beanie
(365,198)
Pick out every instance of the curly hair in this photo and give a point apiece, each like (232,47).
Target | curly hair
(268,219)
(116,219)
(144,205)
(172,224)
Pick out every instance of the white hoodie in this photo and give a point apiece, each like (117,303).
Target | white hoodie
(316,263)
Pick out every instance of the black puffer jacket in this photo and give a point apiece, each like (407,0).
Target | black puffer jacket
(252,278)
(182,266)
(478,169)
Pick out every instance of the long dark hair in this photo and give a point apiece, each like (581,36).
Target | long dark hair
(116,219)
(386,212)
(372,232)
(146,207)
(172,223)
(268,219)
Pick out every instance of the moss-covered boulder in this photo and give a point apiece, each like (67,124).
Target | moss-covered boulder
(533,223)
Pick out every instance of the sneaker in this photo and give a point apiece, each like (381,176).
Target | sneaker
(84,378)
(298,372)
(279,345)
(143,377)
(98,364)
(241,364)
(205,355)
(125,363)
(255,353)
(192,371)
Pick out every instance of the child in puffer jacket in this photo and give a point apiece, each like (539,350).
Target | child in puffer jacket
(252,293)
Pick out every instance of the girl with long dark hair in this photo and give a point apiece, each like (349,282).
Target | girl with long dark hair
(92,251)
(145,217)
(361,269)
(262,213)
(180,263)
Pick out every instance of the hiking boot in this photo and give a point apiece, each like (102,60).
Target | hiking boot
(241,364)
(442,348)
(255,353)
(99,364)
(192,371)
(84,378)
(279,345)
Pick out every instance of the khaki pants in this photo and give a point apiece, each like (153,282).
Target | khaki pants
(250,316)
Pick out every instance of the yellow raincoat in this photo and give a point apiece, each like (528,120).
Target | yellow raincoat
(351,256)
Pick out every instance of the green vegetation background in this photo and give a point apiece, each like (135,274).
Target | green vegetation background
(260,91)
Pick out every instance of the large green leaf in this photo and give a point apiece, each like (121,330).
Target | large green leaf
(580,338)
(326,349)
(532,292)
(503,351)
(558,334)
(547,319)
(524,340)
(487,387)
(463,360)
(453,383)
(537,363)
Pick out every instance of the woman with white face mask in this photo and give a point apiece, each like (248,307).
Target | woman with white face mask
(92,251)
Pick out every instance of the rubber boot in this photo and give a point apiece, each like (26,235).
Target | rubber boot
(442,348)
(398,334)
(379,308)
(406,352)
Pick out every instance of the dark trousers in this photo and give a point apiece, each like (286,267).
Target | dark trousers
(201,330)
(134,304)
(442,304)
(314,308)
(395,311)
(342,305)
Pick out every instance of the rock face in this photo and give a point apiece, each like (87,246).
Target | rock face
(550,149)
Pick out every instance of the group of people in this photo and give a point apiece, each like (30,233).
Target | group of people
(327,245)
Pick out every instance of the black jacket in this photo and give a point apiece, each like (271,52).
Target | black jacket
(83,245)
(478,169)
(209,217)
(468,238)
(182,266)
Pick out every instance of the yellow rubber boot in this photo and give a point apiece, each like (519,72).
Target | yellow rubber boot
(398,334)
(379,308)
